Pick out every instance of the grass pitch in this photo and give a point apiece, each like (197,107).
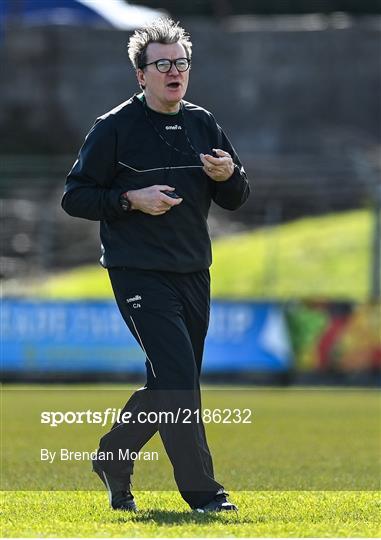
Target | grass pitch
(164,514)
(308,465)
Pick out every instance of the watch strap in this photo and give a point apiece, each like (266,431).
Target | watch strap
(124,202)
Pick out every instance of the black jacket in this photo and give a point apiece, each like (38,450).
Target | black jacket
(132,147)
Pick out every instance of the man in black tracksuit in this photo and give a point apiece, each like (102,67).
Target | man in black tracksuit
(148,171)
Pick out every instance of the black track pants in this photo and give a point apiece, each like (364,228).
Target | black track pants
(168,314)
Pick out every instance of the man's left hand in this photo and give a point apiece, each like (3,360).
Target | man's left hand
(219,168)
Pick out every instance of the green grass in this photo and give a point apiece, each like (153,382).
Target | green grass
(327,257)
(324,257)
(163,514)
(307,465)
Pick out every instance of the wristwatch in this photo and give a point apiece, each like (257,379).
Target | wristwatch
(124,202)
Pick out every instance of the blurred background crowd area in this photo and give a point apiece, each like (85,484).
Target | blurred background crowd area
(295,84)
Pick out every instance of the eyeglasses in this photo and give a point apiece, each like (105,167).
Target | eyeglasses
(164,65)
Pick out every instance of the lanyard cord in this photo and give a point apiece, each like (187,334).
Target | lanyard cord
(172,146)
(168,168)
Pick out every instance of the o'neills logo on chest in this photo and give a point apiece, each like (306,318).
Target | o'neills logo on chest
(175,126)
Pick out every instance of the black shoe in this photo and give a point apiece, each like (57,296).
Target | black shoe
(219,503)
(119,492)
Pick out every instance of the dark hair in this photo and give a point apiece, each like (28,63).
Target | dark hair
(163,30)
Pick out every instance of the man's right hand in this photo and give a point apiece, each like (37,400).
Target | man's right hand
(152,200)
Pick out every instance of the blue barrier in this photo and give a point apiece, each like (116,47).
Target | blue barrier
(40,336)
